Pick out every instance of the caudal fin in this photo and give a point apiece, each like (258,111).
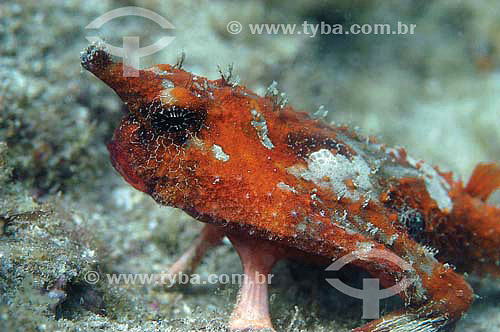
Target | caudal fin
(485,179)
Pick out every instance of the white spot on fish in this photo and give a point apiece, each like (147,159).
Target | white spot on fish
(284,186)
(167,84)
(333,170)
(364,247)
(260,125)
(219,154)
(436,185)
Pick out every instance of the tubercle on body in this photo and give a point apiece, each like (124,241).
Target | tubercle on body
(233,159)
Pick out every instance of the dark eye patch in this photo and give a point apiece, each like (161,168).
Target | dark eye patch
(172,119)
(175,119)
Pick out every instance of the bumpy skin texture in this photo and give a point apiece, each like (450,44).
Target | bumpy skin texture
(238,161)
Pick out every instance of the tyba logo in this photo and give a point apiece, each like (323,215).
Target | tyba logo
(371,294)
(131,52)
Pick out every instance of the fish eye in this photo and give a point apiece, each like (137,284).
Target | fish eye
(173,122)
(172,119)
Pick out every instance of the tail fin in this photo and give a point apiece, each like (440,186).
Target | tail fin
(485,179)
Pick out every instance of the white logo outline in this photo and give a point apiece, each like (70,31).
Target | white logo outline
(131,52)
(371,294)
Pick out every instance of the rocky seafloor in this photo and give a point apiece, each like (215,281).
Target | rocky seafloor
(65,212)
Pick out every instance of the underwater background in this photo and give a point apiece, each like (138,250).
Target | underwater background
(64,211)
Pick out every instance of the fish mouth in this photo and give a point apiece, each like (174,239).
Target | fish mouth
(95,58)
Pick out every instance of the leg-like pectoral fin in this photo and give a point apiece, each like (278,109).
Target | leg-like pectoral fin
(252,310)
(209,237)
